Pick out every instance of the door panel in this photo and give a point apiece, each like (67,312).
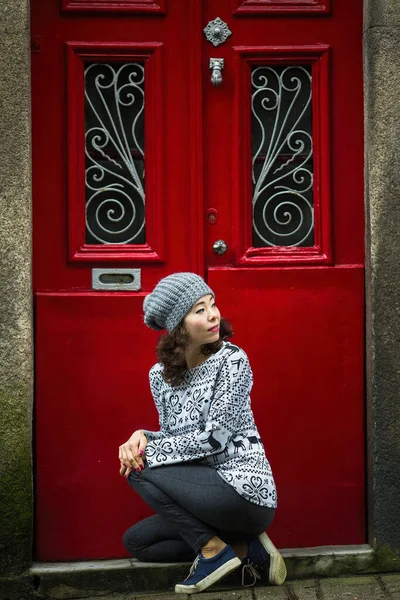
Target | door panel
(90,380)
(227,123)
(91,383)
(303,332)
(115,209)
(140,7)
(59,149)
(296,308)
(281,7)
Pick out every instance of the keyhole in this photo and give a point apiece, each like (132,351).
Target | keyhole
(212,216)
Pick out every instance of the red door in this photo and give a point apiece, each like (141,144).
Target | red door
(143,167)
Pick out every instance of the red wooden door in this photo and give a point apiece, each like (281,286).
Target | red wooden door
(141,164)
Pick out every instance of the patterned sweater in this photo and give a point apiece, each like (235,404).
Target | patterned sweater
(208,418)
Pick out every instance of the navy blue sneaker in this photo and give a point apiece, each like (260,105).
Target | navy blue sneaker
(206,571)
(263,557)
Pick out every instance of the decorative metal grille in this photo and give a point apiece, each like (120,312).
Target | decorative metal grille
(114,147)
(283,207)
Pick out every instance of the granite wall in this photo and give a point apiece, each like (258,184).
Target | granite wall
(16,347)
(382,202)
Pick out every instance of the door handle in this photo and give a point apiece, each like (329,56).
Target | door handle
(216,66)
(220,247)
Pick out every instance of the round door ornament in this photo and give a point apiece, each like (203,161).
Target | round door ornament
(217,32)
(220,247)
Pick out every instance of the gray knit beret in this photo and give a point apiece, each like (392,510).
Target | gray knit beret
(171,300)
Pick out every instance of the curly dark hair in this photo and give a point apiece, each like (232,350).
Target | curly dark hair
(171,350)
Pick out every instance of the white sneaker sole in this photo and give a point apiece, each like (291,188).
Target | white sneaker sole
(212,578)
(277,567)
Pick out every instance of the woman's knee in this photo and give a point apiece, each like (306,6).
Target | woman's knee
(133,542)
(139,538)
(128,539)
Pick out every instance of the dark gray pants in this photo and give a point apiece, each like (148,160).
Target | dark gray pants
(193,504)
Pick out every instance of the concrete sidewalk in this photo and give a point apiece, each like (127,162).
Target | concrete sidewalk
(369,587)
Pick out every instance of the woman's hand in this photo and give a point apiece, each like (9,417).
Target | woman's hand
(131,454)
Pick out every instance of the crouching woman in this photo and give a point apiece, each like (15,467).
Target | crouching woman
(205,473)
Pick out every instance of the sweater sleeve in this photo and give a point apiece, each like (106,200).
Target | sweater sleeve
(155,387)
(152,435)
(230,399)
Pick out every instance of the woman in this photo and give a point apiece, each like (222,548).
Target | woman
(205,473)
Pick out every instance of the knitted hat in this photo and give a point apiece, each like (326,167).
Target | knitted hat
(171,300)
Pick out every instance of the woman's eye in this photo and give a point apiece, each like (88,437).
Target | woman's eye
(199,311)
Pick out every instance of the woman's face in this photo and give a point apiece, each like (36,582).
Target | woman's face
(202,321)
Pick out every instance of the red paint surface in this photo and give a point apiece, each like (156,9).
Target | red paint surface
(302,326)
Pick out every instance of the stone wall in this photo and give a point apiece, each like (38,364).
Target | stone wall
(382,200)
(16,348)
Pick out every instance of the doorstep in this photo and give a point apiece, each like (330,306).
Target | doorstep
(91,579)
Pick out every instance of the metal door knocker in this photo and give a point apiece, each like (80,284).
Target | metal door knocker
(216,66)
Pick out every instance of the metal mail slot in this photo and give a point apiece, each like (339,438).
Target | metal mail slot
(116,279)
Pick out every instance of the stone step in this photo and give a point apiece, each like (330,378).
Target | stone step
(90,579)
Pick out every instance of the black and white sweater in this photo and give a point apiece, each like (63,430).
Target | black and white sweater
(208,418)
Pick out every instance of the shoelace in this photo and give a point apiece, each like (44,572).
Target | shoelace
(193,567)
(252,571)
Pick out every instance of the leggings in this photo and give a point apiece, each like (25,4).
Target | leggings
(192,505)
